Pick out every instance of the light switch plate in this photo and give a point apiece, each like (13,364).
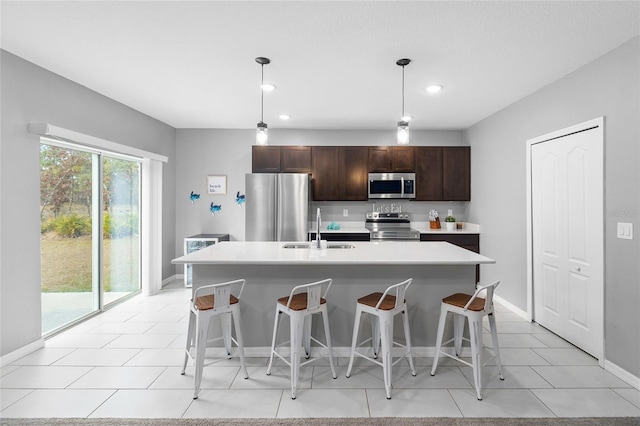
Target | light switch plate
(625,231)
(345,212)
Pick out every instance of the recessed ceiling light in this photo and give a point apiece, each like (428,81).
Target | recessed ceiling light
(267,87)
(284,117)
(434,89)
(406,118)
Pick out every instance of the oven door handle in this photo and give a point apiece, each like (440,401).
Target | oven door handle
(402,187)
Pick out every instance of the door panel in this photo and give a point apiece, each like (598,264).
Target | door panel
(550,285)
(568,236)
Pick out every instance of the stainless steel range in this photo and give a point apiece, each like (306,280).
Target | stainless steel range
(390,226)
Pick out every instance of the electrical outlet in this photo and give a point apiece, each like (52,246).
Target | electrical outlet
(625,231)
(345,212)
(449,212)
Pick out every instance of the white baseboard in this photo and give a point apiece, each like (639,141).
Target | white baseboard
(171,279)
(513,308)
(622,374)
(23,351)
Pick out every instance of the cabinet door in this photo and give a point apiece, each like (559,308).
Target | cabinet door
(265,159)
(380,159)
(466,241)
(403,159)
(428,173)
(325,167)
(353,173)
(456,173)
(295,159)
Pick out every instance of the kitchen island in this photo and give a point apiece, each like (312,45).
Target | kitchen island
(271,270)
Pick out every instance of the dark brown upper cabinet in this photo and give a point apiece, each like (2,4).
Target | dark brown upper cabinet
(295,159)
(456,173)
(403,159)
(443,173)
(428,173)
(265,159)
(339,173)
(281,159)
(391,159)
(380,159)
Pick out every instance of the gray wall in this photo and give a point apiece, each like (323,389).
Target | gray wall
(201,152)
(609,87)
(33,94)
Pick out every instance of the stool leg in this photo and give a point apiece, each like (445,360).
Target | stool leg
(307,335)
(225,323)
(273,340)
(354,339)
(296,326)
(458,332)
(439,336)
(386,336)
(190,340)
(496,347)
(236,323)
(375,337)
(407,337)
(327,335)
(475,333)
(201,347)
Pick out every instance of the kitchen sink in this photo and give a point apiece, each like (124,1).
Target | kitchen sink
(309,245)
(340,246)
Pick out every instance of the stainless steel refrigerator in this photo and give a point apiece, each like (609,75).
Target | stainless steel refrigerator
(277,206)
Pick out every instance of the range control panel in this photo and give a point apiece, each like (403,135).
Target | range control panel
(386,216)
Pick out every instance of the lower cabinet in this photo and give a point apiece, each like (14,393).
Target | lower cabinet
(467,241)
(341,236)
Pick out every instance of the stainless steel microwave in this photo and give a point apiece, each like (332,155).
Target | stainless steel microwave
(392,185)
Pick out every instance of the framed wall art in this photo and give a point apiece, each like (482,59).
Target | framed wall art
(217,184)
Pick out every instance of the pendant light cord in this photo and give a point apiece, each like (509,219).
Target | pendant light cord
(402,93)
(262,94)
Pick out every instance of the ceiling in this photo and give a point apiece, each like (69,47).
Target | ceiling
(191,64)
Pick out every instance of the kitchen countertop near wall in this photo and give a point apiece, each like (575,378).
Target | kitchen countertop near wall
(423,227)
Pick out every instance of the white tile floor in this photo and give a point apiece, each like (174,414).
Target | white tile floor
(126,363)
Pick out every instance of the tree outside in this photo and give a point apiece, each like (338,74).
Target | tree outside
(66,188)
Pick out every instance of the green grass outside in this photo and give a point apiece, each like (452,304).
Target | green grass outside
(66,264)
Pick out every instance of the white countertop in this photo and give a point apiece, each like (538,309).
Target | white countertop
(363,253)
(422,227)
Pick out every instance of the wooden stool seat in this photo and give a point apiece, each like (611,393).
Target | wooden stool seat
(387,304)
(204,303)
(460,300)
(298,301)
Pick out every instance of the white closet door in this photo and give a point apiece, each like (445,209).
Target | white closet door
(567,212)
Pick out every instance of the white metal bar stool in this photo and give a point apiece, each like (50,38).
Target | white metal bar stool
(474,308)
(209,301)
(302,303)
(385,307)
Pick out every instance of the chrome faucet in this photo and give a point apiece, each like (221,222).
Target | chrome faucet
(318,225)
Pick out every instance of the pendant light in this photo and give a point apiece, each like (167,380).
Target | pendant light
(262,132)
(403,124)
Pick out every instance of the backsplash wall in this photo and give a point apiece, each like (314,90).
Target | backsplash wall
(333,211)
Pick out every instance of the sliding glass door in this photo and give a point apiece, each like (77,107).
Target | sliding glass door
(121,218)
(90,231)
